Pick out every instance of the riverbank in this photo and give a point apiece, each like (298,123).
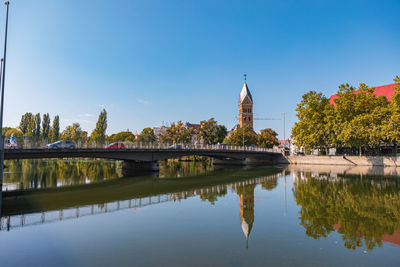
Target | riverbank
(346,160)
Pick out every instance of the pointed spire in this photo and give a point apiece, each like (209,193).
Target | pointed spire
(245,91)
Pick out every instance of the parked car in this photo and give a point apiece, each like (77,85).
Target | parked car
(115,145)
(62,144)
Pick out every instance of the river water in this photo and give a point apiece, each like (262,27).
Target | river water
(85,213)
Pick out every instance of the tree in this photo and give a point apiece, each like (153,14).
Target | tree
(240,135)
(26,125)
(13,131)
(55,129)
(5,130)
(121,136)
(359,117)
(46,126)
(74,133)
(177,133)
(37,121)
(211,132)
(312,129)
(147,136)
(267,138)
(391,129)
(99,133)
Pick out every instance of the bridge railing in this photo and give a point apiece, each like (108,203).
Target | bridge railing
(35,143)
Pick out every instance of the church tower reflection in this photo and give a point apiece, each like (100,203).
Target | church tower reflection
(246,194)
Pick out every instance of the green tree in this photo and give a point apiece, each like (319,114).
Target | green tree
(240,136)
(74,133)
(391,128)
(46,126)
(13,131)
(26,124)
(359,117)
(211,132)
(5,130)
(99,133)
(312,129)
(147,135)
(267,138)
(121,136)
(55,129)
(177,133)
(37,121)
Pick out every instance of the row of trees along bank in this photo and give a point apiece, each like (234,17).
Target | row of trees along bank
(37,131)
(40,131)
(359,120)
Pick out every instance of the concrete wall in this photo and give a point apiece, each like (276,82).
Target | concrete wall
(346,160)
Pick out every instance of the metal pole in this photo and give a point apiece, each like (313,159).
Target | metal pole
(1,175)
(284,127)
(2,99)
(243,135)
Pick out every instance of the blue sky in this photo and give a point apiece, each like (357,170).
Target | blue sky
(152,61)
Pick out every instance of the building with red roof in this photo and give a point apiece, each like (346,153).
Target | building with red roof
(384,90)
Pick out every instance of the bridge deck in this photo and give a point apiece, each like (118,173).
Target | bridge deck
(140,154)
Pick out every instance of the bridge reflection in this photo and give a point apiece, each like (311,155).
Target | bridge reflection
(35,207)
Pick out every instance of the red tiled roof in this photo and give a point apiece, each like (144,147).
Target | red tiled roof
(384,90)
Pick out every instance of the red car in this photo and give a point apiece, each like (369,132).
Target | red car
(115,145)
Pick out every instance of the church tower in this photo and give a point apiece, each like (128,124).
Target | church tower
(245,106)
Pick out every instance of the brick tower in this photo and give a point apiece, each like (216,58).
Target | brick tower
(245,106)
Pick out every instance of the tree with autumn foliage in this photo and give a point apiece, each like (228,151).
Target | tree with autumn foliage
(177,133)
(211,133)
(267,138)
(242,136)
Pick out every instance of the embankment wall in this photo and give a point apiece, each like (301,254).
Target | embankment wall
(346,160)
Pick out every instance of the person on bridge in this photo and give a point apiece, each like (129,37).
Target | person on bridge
(13,142)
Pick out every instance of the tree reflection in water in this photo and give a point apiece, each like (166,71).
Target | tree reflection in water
(25,174)
(365,210)
(175,168)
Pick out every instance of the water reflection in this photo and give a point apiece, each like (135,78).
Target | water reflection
(361,204)
(246,194)
(35,174)
(28,174)
(56,204)
(177,169)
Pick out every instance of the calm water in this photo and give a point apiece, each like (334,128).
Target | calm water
(84,213)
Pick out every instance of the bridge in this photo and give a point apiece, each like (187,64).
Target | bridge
(146,158)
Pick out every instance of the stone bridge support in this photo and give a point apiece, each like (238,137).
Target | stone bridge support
(229,162)
(132,167)
(260,161)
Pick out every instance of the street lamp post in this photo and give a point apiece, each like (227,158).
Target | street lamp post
(3,74)
(243,135)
